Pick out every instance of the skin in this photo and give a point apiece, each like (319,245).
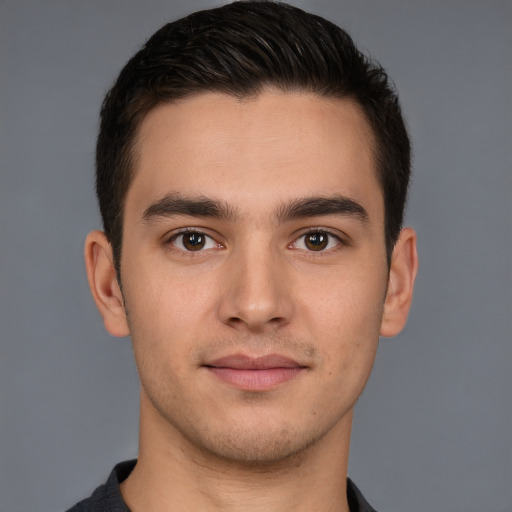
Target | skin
(258,286)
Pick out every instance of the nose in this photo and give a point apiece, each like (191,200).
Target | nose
(257,291)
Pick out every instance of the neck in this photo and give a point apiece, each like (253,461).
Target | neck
(173,474)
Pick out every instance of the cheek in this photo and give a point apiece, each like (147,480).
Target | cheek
(167,313)
(158,291)
(162,336)
(345,316)
(346,299)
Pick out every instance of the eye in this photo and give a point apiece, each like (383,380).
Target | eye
(316,241)
(193,241)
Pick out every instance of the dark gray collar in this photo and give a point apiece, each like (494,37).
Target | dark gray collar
(107,497)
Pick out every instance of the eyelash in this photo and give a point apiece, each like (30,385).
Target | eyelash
(339,242)
(191,231)
(331,237)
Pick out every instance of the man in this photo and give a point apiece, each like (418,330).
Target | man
(252,170)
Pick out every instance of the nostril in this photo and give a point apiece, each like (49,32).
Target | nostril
(254,324)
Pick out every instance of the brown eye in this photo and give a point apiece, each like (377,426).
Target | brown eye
(317,241)
(193,241)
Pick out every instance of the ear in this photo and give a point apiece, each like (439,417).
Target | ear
(402,273)
(105,289)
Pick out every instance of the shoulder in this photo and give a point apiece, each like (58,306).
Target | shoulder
(356,500)
(107,497)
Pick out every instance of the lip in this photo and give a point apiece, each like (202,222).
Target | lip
(255,373)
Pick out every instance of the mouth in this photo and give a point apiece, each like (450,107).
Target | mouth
(255,373)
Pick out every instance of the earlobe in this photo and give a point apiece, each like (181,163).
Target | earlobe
(402,273)
(102,278)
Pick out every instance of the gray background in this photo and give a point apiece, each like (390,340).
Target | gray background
(433,430)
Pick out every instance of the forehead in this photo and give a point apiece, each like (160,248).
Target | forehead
(217,145)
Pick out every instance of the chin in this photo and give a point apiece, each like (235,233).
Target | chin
(256,446)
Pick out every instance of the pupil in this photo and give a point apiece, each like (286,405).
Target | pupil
(316,241)
(193,241)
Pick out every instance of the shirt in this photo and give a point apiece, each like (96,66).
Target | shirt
(108,498)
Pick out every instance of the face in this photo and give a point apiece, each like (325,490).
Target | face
(253,268)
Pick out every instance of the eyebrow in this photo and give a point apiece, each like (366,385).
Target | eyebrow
(173,204)
(321,206)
